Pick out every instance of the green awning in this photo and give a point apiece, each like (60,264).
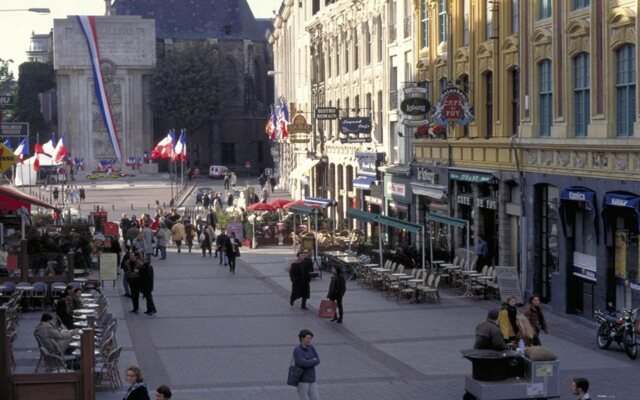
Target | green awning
(361,215)
(399,224)
(301,210)
(473,177)
(444,219)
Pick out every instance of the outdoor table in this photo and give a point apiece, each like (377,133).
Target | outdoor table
(415,280)
(77,352)
(3,288)
(84,311)
(24,288)
(334,253)
(371,265)
(381,270)
(90,305)
(86,295)
(58,287)
(399,274)
(349,261)
(81,324)
(407,277)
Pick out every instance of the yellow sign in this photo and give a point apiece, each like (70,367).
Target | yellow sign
(621,236)
(7,158)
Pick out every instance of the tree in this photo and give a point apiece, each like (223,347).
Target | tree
(185,88)
(35,78)
(6,77)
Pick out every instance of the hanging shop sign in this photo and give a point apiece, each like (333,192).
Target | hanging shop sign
(355,130)
(326,113)
(453,107)
(473,177)
(425,175)
(415,106)
(368,163)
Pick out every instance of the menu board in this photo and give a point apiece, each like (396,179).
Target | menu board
(108,266)
(509,283)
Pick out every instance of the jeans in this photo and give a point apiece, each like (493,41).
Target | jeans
(232,264)
(163,252)
(223,257)
(178,244)
(308,391)
(125,284)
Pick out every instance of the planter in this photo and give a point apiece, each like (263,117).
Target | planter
(274,241)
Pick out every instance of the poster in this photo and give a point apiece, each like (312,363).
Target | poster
(108,266)
(621,253)
(237,228)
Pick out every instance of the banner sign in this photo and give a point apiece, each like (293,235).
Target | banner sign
(14,129)
(453,107)
(326,113)
(355,130)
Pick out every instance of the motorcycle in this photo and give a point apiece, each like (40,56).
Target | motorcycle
(618,327)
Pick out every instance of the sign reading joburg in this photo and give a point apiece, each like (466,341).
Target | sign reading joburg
(7,158)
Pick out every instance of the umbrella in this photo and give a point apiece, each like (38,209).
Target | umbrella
(279,203)
(260,207)
(293,203)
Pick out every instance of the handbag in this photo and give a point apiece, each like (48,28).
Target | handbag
(202,237)
(294,375)
(327,309)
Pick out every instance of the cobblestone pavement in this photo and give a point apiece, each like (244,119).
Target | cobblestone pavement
(224,336)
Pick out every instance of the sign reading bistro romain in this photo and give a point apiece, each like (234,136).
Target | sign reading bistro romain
(355,130)
(326,113)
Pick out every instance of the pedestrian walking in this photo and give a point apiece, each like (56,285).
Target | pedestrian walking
(306,357)
(221,240)
(205,238)
(147,234)
(507,320)
(264,196)
(190,233)
(132,273)
(300,277)
(163,392)
(161,240)
(178,234)
(124,264)
(137,389)
(83,194)
(337,289)
(233,250)
(536,317)
(482,252)
(146,285)
(526,333)
(262,180)
(227,180)
(272,182)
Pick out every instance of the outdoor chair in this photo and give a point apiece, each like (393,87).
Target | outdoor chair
(408,289)
(9,289)
(432,291)
(53,362)
(39,294)
(108,369)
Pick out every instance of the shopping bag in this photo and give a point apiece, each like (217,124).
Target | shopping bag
(294,375)
(327,309)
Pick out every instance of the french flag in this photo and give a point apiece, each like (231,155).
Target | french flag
(22,150)
(60,152)
(50,147)
(7,143)
(180,152)
(165,148)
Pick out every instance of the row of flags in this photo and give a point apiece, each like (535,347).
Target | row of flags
(276,127)
(169,148)
(54,149)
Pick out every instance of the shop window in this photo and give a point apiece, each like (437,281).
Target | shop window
(585,232)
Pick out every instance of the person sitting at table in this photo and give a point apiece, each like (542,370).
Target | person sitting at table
(68,303)
(52,338)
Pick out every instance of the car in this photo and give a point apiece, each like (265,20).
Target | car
(217,171)
(201,192)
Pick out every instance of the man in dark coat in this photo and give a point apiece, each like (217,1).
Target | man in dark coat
(337,289)
(488,334)
(146,285)
(300,276)
(221,247)
(232,245)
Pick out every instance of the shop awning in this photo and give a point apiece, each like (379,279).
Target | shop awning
(361,215)
(12,199)
(319,201)
(574,194)
(436,192)
(445,219)
(621,199)
(363,182)
(301,210)
(303,168)
(399,224)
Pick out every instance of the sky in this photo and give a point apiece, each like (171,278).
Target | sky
(16,26)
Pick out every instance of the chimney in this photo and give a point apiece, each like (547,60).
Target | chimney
(107,7)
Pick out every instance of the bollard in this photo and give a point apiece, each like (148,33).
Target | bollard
(148,206)
(113,207)
(132,207)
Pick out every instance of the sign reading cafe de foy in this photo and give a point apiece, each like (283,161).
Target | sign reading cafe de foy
(453,107)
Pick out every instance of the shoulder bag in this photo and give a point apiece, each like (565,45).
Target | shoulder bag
(295,373)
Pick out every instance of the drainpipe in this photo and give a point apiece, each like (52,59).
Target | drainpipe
(523,218)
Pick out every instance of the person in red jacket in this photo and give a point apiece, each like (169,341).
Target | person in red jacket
(535,315)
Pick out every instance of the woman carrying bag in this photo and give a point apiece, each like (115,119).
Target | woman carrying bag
(337,289)
(306,358)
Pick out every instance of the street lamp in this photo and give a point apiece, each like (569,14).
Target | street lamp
(33,10)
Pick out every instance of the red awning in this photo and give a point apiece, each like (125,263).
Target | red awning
(12,199)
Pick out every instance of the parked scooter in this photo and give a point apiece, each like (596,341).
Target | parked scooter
(618,327)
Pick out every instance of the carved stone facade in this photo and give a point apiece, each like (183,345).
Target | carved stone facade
(127,50)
